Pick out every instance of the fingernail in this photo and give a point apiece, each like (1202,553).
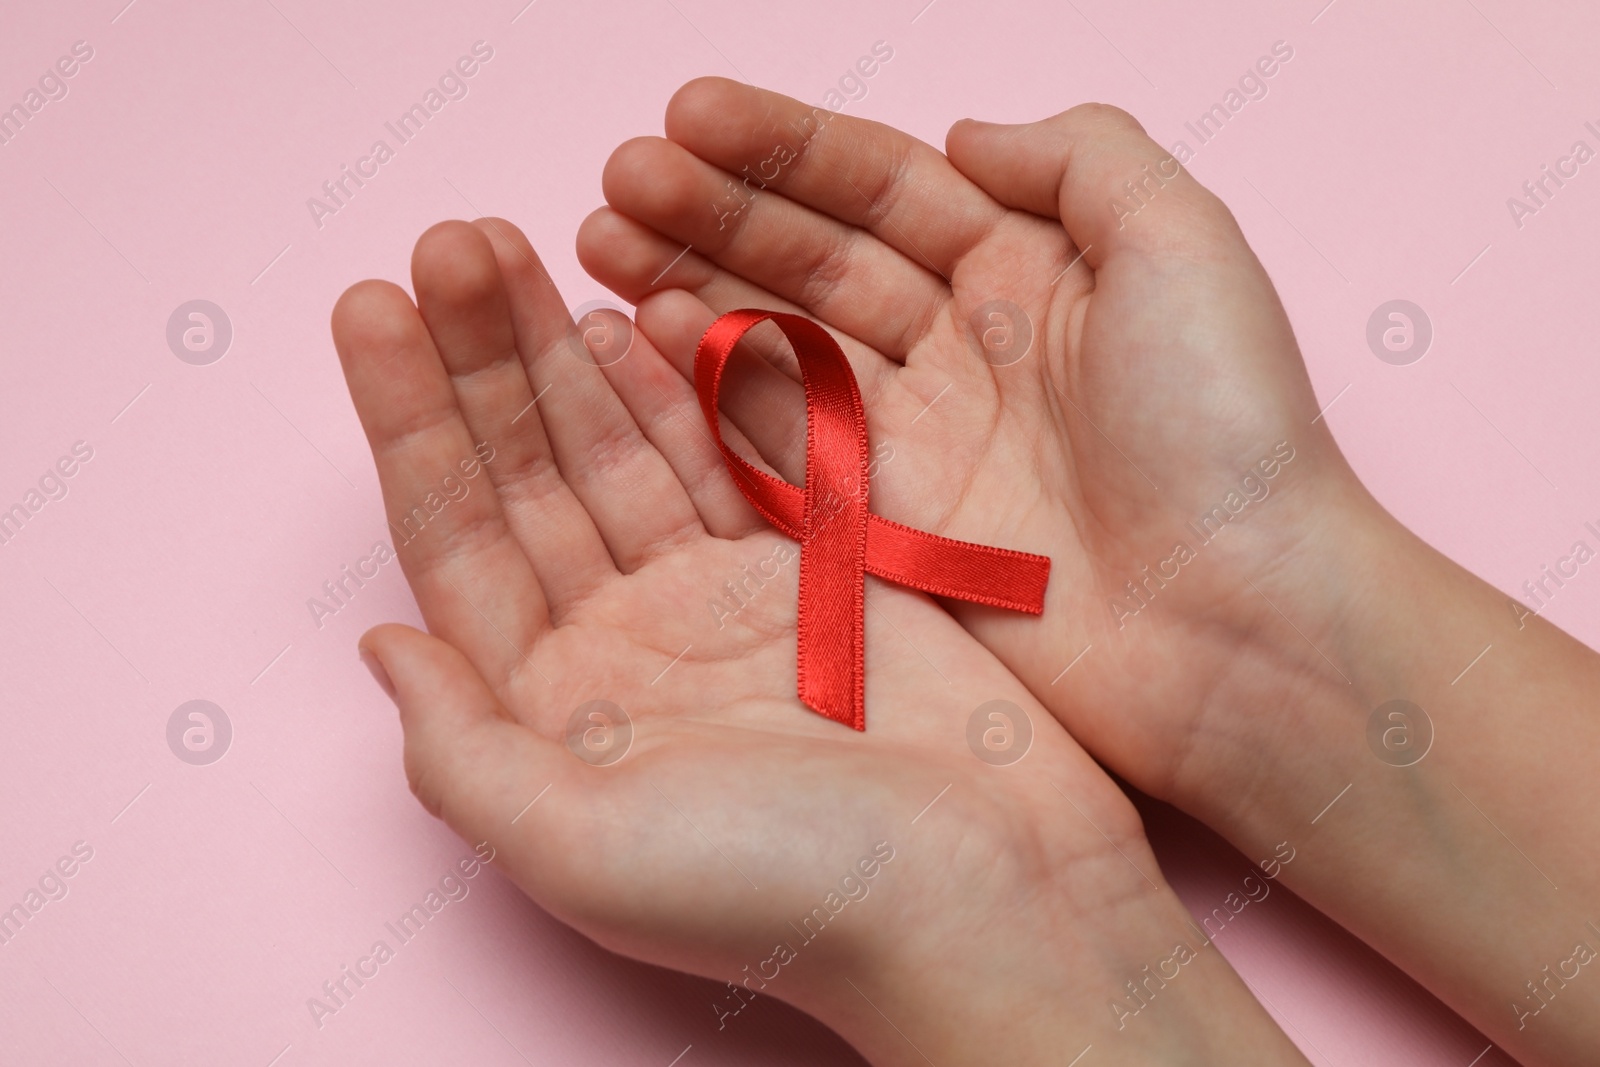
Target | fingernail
(379,675)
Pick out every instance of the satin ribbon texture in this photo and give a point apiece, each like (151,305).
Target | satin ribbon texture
(840,540)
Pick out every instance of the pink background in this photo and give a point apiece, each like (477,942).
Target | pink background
(178,566)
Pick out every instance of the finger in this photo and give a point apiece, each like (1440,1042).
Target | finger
(469,574)
(664,405)
(766,406)
(635,499)
(627,257)
(862,173)
(761,386)
(837,272)
(462,298)
(493,780)
(1093,167)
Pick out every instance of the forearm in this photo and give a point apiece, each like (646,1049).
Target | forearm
(1460,842)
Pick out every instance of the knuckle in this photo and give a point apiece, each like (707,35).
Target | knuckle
(827,269)
(1107,116)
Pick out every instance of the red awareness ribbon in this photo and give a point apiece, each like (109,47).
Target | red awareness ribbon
(840,540)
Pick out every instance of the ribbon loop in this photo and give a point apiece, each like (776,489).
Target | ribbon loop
(840,540)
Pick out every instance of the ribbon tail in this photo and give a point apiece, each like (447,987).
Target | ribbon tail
(830,639)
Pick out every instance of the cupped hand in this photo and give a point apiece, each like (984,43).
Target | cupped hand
(566,529)
(1068,348)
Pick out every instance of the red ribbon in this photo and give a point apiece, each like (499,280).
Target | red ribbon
(840,541)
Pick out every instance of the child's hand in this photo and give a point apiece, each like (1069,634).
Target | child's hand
(1162,388)
(583,567)
(1244,610)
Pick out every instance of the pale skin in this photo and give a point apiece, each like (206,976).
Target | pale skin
(1164,369)
(1163,372)
(1015,903)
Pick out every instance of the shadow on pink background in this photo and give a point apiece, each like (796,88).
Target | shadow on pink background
(218,498)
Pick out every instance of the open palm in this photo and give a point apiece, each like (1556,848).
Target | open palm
(1052,374)
(563,526)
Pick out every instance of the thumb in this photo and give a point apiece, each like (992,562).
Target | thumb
(1094,168)
(466,760)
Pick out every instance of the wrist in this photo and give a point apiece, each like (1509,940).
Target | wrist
(1026,974)
(1320,639)
(1436,829)
(1375,618)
